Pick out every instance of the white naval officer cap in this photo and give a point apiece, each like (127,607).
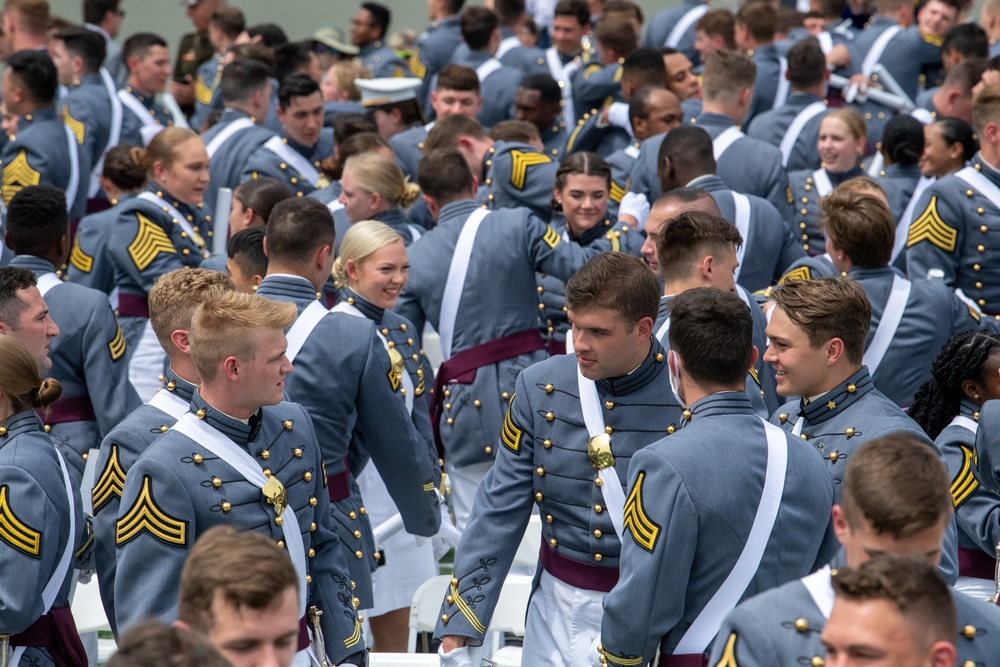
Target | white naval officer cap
(377,92)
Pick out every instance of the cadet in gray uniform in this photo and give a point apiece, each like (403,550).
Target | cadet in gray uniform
(294,156)
(530,60)
(600,81)
(224,28)
(350,390)
(435,46)
(828,320)
(794,126)
(673,512)
(686,161)
(246,93)
(491,334)
(538,101)
(148,60)
(674,27)
(230,461)
(508,174)
(88,357)
(45,151)
(895,502)
(754,31)
(947,408)
(105,18)
(619,378)
(956,218)
(369,27)
(43,523)
(902,146)
(173,299)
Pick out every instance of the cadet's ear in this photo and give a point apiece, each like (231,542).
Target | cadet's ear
(754,357)
(181,341)
(265,246)
(645,327)
(943,654)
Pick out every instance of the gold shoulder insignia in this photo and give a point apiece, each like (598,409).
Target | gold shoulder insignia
(418,68)
(551,237)
(17,175)
(520,161)
(510,434)
(616,245)
(587,73)
(617,192)
(202,93)
(644,531)
(149,242)
(974,313)
(145,515)
(117,345)
(79,129)
(965,482)
(80,260)
(756,376)
(728,658)
(929,226)
(618,74)
(15,532)
(111,482)
(788,195)
(801,273)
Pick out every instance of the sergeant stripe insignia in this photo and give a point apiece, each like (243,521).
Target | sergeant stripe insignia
(417,68)
(80,260)
(929,226)
(520,161)
(551,237)
(149,242)
(510,434)
(111,482)
(17,175)
(973,312)
(728,658)
(117,345)
(202,93)
(617,192)
(590,70)
(79,129)
(15,532)
(644,530)
(801,273)
(145,515)
(965,482)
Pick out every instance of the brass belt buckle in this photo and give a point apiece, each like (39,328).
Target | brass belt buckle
(599,451)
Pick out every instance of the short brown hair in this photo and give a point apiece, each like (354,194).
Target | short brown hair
(297,228)
(517,131)
(913,587)
(712,332)
(726,75)
(827,308)
(34,15)
(618,282)
(176,295)
(248,569)
(690,236)
(719,22)
(760,18)
(347,73)
(616,34)
(458,77)
(477,25)
(897,483)
(224,326)
(986,107)
(230,21)
(806,63)
(445,175)
(861,225)
(156,644)
(448,130)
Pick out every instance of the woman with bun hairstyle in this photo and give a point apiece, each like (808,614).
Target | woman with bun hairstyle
(162,229)
(124,176)
(42,526)
(374,188)
(371,271)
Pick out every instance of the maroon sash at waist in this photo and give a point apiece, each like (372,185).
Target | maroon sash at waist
(689,660)
(133,305)
(76,409)
(303,642)
(56,632)
(337,484)
(462,367)
(573,572)
(976,563)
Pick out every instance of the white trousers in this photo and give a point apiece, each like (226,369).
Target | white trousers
(562,623)
(146,364)
(981,589)
(464,485)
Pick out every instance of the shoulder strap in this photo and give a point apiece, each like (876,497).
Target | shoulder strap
(685,22)
(823,184)
(781,92)
(820,589)
(825,41)
(725,139)
(563,75)
(985,186)
(507,45)
(73,186)
(888,324)
(334,206)
(137,107)
(455,284)
(593,418)
(114,136)
(708,622)
(664,329)
(225,133)
(877,49)
(47,281)
(903,224)
(302,327)
(169,403)
(966,423)
(278,146)
(795,129)
(487,68)
(742,222)
(351,309)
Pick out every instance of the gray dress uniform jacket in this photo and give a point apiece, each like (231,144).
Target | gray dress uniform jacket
(805,196)
(772,126)
(497,89)
(178,489)
(434,50)
(119,451)
(34,529)
(766,86)
(662,24)
(207,91)
(131,124)
(899,182)
(344,379)
(265,163)
(593,86)
(590,136)
(379,59)
(89,264)
(542,459)
(407,148)
(530,60)
(88,358)
(228,161)
(782,627)
(518,175)
(679,549)
(87,111)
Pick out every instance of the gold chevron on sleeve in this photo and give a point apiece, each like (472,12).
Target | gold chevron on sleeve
(728,658)
(355,637)
(587,73)
(145,515)
(801,273)
(520,161)
(79,129)
(551,237)
(149,242)
(15,532)
(417,68)
(510,434)
(202,93)
(111,483)
(18,175)
(930,227)
(965,482)
(644,530)
(617,192)
(117,345)
(80,260)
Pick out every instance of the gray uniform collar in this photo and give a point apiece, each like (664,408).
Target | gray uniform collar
(178,386)
(36,265)
(367,308)
(838,399)
(234,429)
(722,403)
(25,421)
(649,370)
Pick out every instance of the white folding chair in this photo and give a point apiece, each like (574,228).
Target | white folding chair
(508,617)
(88,612)
(432,347)
(425,607)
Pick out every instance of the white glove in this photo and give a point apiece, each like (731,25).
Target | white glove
(458,658)
(635,205)
(447,536)
(618,116)
(593,655)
